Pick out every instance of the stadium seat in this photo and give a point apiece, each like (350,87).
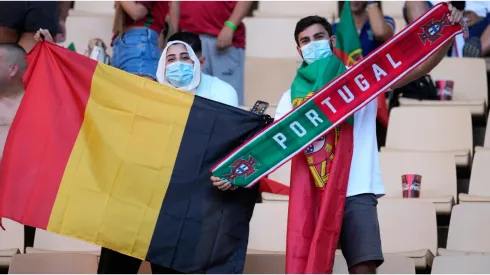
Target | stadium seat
(267,79)
(267,239)
(268,228)
(408,228)
(301,9)
(468,230)
(393,264)
(11,241)
(276,264)
(271,38)
(486,143)
(54,264)
(469,264)
(99,7)
(83,26)
(479,190)
(47,242)
(281,175)
(431,129)
(438,171)
(470,85)
(393,8)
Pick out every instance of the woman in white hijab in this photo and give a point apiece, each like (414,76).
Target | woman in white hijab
(180,67)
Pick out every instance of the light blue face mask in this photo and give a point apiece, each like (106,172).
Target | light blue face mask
(179,74)
(316,50)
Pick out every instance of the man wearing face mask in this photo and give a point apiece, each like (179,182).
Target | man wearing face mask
(180,67)
(359,236)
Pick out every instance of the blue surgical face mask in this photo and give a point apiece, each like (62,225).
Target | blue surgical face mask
(316,50)
(179,74)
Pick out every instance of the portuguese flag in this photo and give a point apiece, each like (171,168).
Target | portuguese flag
(319,179)
(349,50)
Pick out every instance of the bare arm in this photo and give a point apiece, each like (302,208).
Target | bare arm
(415,9)
(431,62)
(135,10)
(240,11)
(64,9)
(174,15)
(381,30)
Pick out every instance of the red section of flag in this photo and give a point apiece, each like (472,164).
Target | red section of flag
(274,187)
(46,81)
(315,214)
(383,115)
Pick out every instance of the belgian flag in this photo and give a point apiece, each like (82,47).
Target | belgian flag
(101,155)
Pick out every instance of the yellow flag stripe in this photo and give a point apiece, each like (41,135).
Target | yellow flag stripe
(120,166)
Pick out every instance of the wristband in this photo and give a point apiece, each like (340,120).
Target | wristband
(230,25)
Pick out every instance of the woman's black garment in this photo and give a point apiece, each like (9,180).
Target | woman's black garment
(112,262)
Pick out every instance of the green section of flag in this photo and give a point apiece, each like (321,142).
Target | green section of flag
(71,47)
(276,144)
(348,43)
(313,77)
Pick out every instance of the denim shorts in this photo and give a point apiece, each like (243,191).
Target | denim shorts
(136,51)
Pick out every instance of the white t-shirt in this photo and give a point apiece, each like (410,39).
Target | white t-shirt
(365,174)
(216,89)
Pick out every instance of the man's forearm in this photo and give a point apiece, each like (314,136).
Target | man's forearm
(135,10)
(174,16)
(381,30)
(64,9)
(415,9)
(426,66)
(241,10)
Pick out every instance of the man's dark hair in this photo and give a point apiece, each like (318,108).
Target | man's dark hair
(190,38)
(311,20)
(15,55)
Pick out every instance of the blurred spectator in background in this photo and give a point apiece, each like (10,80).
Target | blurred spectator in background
(210,87)
(137,26)
(219,25)
(12,67)
(97,50)
(19,21)
(372,26)
(373,29)
(476,16)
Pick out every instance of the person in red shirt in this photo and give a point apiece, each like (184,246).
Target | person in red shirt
(137,25)
(219,25)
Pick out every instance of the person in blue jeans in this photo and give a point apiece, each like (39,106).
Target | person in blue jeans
(137,26)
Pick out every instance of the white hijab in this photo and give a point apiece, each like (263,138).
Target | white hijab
(196,79)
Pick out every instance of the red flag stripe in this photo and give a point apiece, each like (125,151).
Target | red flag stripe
(45,118)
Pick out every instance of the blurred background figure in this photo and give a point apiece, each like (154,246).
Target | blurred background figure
(372,26)
(137,26)
(97,50)
(477,18)
(219,25)
(12,67)
(19,21)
